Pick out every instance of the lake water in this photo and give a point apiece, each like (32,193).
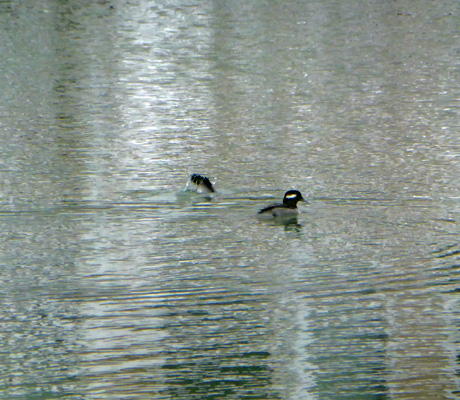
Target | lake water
(117,284)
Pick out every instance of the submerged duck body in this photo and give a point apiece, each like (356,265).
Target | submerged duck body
(202,182)
(288,208)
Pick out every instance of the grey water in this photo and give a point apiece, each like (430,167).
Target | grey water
(118,284)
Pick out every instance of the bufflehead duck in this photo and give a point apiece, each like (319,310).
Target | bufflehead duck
(288,208)
(202,182)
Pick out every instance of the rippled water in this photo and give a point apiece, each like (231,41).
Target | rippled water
(118,284)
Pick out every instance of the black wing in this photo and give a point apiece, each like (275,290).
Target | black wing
(269,208)
(207,183)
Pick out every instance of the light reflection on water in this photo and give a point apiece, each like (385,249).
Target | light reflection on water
(116,284)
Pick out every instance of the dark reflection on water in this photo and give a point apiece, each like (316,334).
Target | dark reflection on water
(117,284)
(218,348)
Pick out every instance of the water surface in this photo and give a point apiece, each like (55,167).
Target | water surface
(117,284)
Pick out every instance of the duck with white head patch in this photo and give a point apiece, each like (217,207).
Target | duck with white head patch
(286,209)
